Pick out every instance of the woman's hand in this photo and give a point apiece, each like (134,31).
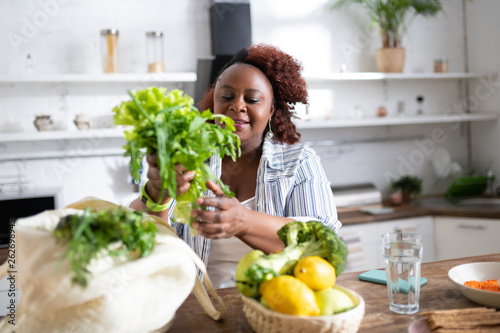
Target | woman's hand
(229,218)
(154,184)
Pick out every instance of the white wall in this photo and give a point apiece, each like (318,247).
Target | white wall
(324,40)
(67,40)
(484,53)
(61,37)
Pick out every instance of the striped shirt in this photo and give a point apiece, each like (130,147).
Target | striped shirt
(290,183)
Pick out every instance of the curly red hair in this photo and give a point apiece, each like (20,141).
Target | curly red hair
(289,87)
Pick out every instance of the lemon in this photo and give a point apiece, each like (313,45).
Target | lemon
(289,295)
(315,272)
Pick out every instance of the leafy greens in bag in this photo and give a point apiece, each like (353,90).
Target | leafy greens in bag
(168,124)
(90,234)
(140,272)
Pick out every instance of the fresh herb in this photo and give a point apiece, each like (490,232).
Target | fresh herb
(169,125)
(89,235)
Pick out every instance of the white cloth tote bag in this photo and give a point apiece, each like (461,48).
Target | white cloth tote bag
(121,296)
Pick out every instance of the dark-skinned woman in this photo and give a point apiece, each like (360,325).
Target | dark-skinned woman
(276,179)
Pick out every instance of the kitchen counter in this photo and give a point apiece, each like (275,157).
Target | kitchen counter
(408,210)
(439,293)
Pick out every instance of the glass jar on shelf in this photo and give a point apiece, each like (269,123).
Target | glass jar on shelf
(154,49)
(109,49)
(441,65)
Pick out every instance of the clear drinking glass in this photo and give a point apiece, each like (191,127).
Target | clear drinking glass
(403,257)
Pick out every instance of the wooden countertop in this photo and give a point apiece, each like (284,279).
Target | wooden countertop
(438,293)
(407,211)
(3,254)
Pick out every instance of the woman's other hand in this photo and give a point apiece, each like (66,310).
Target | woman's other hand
(154,184)
(229,218)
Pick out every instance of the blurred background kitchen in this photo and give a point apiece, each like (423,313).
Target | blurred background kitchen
(58,143)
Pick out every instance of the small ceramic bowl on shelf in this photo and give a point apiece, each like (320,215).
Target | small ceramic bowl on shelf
(82,121)
(43,122)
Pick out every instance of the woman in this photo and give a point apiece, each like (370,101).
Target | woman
(276,179)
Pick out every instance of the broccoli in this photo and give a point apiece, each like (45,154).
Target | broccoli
(301,240)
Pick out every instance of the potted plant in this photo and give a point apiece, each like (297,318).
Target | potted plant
(407,186)
(392,17)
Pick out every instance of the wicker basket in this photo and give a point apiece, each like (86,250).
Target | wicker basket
(263,320)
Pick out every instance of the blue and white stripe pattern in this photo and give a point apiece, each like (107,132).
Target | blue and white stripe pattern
(290,183)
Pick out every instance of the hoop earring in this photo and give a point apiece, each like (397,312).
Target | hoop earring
(270,133)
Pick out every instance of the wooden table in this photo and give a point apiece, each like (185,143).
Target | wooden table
(438,293)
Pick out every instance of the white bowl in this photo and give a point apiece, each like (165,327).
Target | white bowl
(480,271)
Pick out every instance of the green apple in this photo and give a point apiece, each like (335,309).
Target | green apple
(333,300)
(242,284)
(351,296)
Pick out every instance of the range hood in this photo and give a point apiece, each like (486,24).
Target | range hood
(230,31)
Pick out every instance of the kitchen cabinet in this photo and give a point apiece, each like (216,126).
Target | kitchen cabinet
(462,237)
(364,244)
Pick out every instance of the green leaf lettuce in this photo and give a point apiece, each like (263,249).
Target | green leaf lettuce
(167,123)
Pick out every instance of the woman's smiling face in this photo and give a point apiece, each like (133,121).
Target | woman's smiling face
(244,94)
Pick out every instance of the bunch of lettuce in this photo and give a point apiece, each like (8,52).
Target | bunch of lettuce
(168,124)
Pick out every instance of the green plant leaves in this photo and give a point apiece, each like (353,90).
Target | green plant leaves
(168,124)
(90,235)
(392,15)
(408,184)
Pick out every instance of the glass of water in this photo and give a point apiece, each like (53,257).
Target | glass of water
(403,256)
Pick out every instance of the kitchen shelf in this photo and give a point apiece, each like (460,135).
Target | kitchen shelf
(320,78)
(391,121)
(108,133)
(180,77)
(117,133)
(174,77)
(108,152)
